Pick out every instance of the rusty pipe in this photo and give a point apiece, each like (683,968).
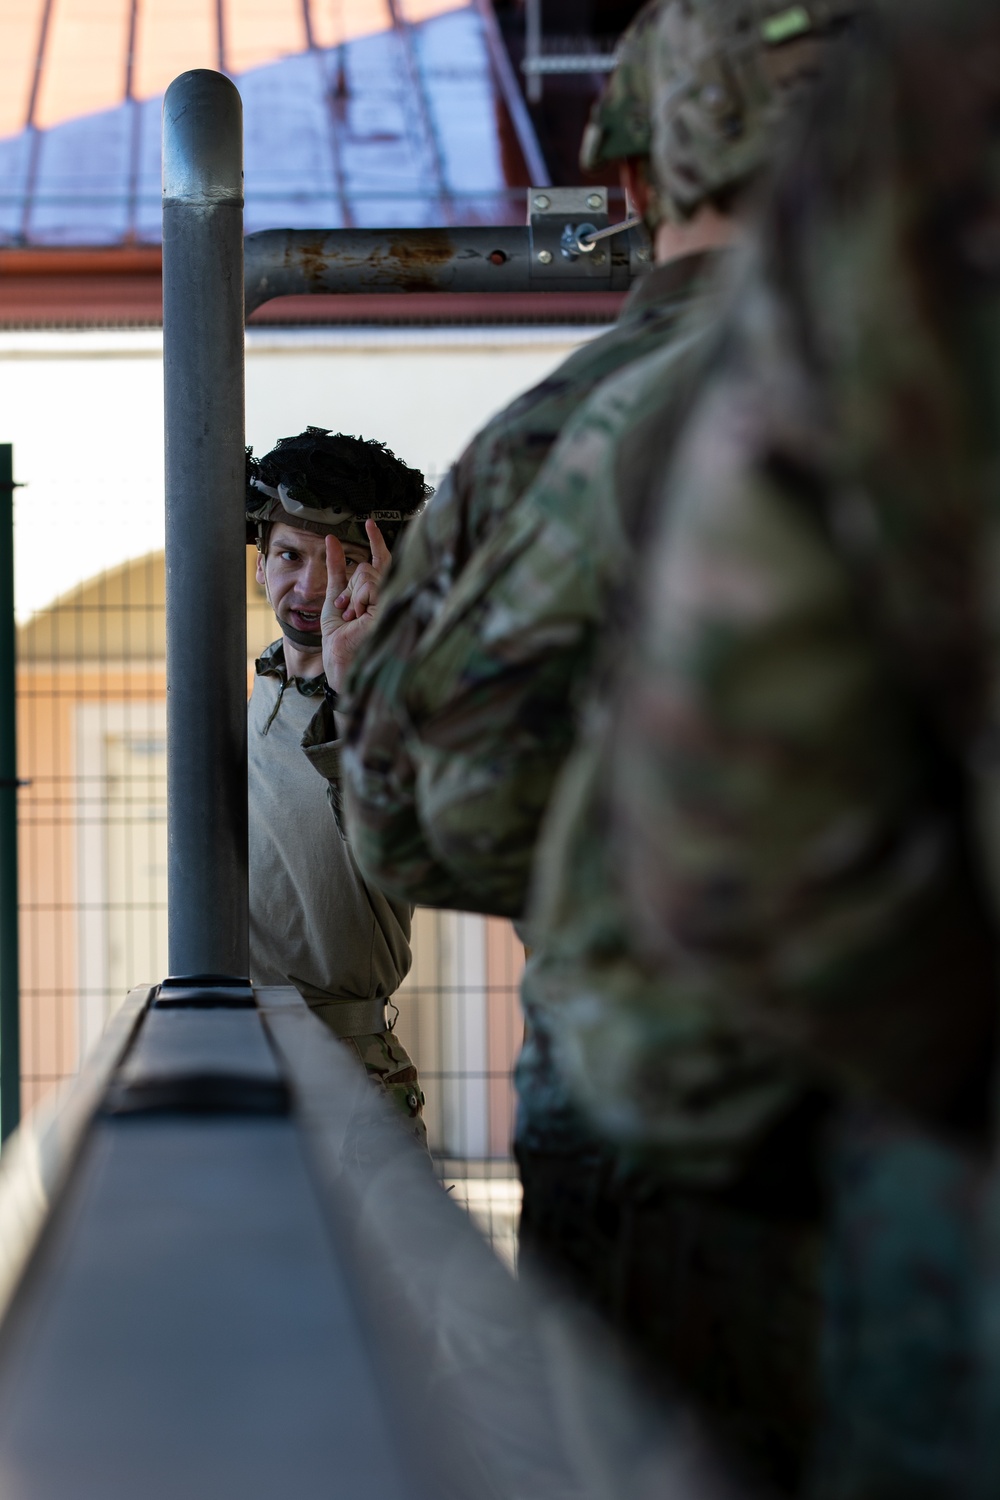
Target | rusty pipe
(293,262)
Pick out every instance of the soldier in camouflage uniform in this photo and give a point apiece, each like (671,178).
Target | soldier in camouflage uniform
(708,1262)
(385,760)
(314,923)
(804,752)
(489,696)
(487,483)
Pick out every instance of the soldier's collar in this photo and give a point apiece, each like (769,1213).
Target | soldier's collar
(271,663)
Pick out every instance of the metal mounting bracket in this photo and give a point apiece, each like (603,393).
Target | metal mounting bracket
(558,220)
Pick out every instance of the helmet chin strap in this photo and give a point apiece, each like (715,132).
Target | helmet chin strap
(307,638)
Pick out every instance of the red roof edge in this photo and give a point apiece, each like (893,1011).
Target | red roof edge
(124,260)
(443,307)
(122,286)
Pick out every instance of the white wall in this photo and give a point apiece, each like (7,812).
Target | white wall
(422,391)
(83,409)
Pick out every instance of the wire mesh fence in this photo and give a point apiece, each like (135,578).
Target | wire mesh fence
(92,748)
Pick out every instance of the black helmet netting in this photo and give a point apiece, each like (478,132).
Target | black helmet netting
(335,471)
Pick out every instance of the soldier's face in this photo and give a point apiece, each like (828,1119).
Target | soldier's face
(293,573)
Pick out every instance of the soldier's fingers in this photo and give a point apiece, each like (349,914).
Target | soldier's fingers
(381,556)
(364,590)
(336,577)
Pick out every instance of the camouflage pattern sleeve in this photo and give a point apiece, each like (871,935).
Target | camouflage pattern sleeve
(656,1067)
(492,691)
(378,765)
(383,783)
(802,736)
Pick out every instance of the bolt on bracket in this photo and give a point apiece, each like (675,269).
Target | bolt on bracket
(568,249)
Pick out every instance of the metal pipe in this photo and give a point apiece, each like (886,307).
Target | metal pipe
(533,49)
(534,161)
(288,262)
(283,262)
(205,547)
(10,987)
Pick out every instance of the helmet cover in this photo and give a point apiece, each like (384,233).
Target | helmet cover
(330,483)
(619,124)
(727,75)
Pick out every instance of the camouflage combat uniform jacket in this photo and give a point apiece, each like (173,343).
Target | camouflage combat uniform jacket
(491,695)
(804,751)
(380,763)
(314,923)
(804,738)
(507,652)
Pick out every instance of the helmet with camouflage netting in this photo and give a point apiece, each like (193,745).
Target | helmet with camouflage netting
(726,74)
(619,125)
(330,483)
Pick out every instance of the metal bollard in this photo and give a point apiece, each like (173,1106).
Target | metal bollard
(205,556)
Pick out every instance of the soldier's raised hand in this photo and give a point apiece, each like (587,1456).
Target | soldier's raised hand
(351,602)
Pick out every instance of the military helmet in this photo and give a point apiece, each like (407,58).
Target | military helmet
(330,483)
(726,74)
(619,124)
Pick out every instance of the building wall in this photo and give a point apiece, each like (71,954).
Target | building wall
(84,411)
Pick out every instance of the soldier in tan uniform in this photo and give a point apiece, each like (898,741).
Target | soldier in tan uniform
(314,921)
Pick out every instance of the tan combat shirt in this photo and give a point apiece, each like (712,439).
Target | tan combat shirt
(314,922)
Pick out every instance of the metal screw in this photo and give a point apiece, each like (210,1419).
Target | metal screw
(600,258)
(542,202)
(545,256)
(594,201)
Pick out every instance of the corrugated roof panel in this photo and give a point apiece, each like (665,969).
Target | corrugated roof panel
(86,59)
(173,36)
(288,152)
(15,157)
(255,32)
(454,62)
(336,21)
(81,179)
(146,205)
(20,29)
(388,171)
(399,126)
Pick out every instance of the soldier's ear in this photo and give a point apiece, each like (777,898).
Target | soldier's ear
(260,567)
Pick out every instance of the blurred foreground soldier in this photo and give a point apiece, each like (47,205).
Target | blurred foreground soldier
(490,695)
(805,749)
(381,772)
(314,922)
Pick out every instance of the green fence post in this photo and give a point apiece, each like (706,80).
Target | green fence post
(10,1015)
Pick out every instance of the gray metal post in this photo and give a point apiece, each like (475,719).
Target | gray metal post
(206,578)
(10,988)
